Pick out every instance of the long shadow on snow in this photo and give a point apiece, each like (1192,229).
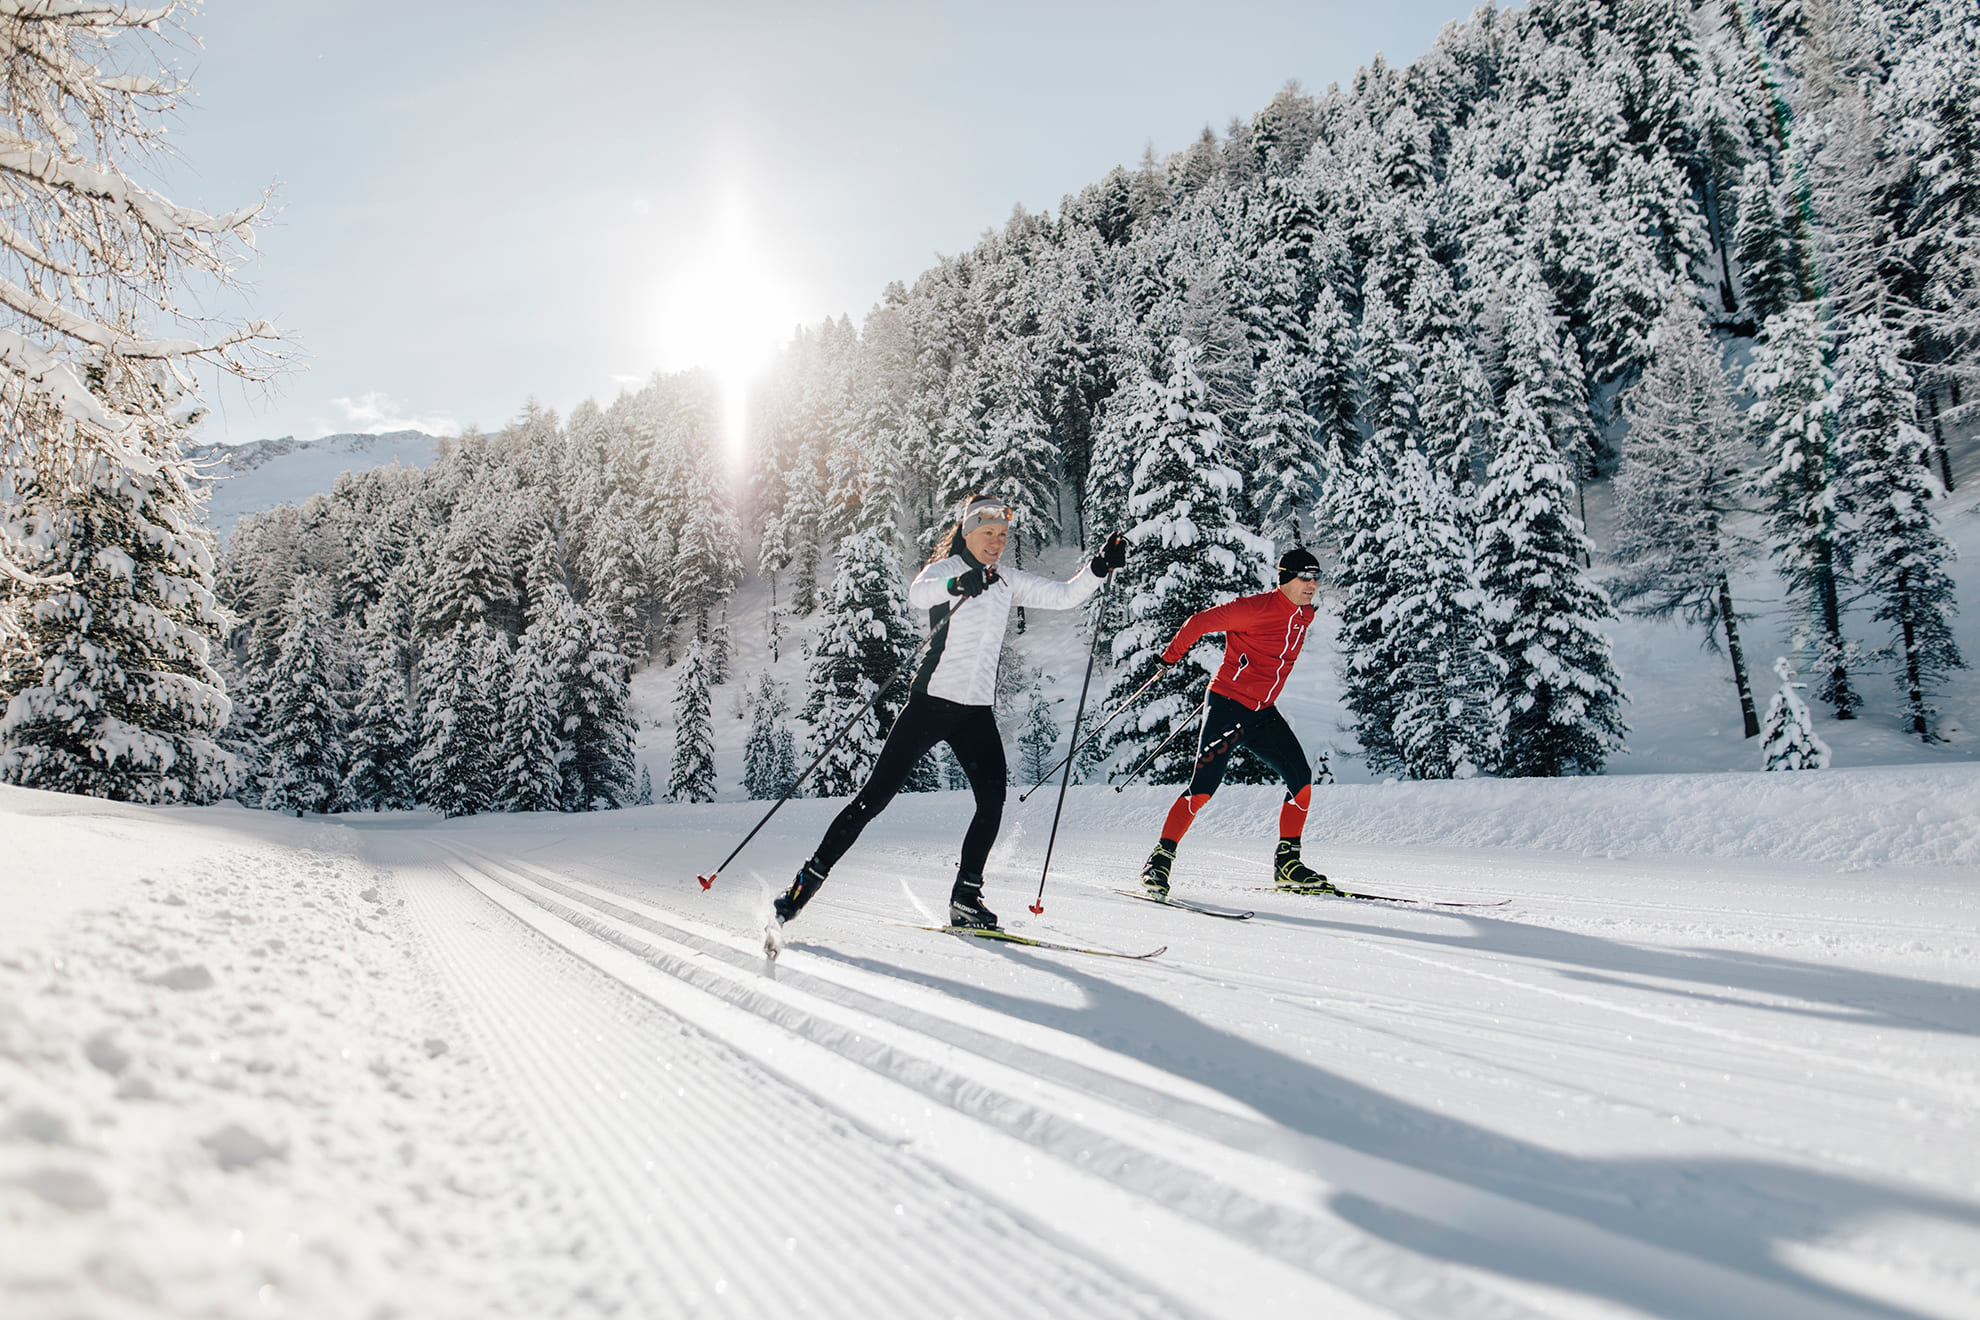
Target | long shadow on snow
(1707,1209)
(1870,999)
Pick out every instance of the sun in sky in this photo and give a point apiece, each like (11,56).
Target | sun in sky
(725,308)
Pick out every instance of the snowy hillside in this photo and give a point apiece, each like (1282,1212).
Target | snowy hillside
(255,477)
(1714,1058)
(1683,713)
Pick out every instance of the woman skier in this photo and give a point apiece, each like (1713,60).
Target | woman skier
(952,694)
(1262,638)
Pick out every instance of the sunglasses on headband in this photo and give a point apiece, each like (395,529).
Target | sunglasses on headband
(979,513)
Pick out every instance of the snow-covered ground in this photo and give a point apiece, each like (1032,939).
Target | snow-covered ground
(1716,1057)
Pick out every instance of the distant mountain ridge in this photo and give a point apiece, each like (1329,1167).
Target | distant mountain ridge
(257,476)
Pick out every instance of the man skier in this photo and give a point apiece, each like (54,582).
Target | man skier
(952,694)
(1262,637)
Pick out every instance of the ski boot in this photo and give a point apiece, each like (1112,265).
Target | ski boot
(792,900)
(1291,873)
(966,904)
(1155,875)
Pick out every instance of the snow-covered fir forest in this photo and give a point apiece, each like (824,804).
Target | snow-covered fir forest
(1713,260)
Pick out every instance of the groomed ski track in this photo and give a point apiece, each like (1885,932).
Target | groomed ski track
(888,1123)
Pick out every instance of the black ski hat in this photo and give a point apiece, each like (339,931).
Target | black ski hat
(1296,561)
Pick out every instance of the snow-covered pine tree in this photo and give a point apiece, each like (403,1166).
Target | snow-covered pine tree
(868,637)
(458,742)
(1765,243)
(543,570)
(1038,738)
(769,756)
(692,776)
(1679,538)
(304,770)
(594,718)
(1388,376)
(619,585)
(1330,396)
(1899,551)
(1795,422)
(708,552)
(532,756)
(1284,455)
(107,680)
(1189,552)
(470,583)
(1788,740)
(1563,697)
(1361,505)
(379,742)
(1455,407)
(1449,718)
(1544,364)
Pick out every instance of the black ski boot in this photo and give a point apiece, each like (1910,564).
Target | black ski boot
(966,904)
(792,900)
(1155,875)
(1292,873)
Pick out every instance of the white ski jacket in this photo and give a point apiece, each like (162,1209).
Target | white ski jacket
(962,664)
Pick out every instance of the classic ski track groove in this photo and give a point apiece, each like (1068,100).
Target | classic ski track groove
(1401,1282)
(838,1182)
(1744,1041)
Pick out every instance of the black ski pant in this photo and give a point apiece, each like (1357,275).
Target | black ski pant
(1228,723)
(971,732)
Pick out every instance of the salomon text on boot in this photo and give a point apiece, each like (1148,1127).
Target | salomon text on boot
(966,903)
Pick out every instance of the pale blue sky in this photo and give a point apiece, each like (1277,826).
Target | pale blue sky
(480,203)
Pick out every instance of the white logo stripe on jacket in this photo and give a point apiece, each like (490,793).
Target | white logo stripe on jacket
(966,665)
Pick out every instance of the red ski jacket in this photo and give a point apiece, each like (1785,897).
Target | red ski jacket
(1262,637)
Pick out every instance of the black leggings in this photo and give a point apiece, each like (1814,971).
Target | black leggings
(1265,732)
(971,732)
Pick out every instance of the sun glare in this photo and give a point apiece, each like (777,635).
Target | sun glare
(726,311)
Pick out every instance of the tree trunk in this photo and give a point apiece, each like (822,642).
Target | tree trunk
(1914,686)
(1836,689)
(1728,300)
(1746,711)
(1939,439)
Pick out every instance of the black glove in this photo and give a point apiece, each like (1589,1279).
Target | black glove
(1113,555)
(973,583)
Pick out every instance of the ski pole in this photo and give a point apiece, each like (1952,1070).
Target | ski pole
(708,881)
(1130,699)
(1038,905)
(1203,707)
(1143,763)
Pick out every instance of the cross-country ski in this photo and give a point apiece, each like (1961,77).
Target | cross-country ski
(1189,905)
(1012,937)
(1332,892)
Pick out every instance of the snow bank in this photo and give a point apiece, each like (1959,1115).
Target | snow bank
(1844,820)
